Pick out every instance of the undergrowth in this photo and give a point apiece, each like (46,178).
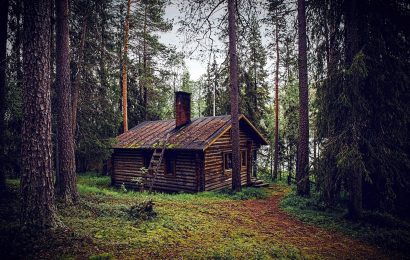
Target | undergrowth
(381,229)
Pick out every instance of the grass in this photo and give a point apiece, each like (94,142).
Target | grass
(107,224)
(380,229)
(204,225)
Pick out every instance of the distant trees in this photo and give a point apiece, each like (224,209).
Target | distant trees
(276,19)
(37,185)
(66,184)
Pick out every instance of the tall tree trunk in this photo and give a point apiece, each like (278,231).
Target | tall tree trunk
(276,151)
(145,67)
(124,69)
(233,80)
(38,210)
(4,6)
(302,164)
(66,187)
(352,48)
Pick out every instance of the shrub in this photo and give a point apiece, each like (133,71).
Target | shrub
(142,211)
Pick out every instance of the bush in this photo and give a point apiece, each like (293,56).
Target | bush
(142,211)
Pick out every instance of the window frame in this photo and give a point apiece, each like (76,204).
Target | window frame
(225,156)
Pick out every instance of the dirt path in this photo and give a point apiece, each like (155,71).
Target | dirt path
(271,220)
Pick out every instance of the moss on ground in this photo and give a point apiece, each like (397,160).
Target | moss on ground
(380,229)
(208,225)
(187,226)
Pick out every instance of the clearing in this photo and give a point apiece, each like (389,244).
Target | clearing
(217,225)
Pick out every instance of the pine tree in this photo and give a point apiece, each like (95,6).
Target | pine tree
(276,17)
(302,166)
(124,69)
(66,186)
(233,81)
(38,209)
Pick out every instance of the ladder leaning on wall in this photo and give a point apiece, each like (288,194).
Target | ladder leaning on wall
(156,160)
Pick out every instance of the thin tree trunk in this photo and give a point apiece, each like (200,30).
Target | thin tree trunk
(38,210)
(67,180)
(276,154)
(103,36)
(76,85)
(124,69)
(4,4)
(145,69)
(233,80)
(302,164)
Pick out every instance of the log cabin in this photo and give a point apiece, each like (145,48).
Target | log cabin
(184,155)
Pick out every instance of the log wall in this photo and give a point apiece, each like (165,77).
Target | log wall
(215,176)
(127,164)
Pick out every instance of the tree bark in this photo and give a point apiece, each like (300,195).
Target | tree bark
(4,4)
(66,188)
(302,166)
(233,81)
(276,150)
(124,69)
(38,210)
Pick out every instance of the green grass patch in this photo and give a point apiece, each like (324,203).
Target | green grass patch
(107,224)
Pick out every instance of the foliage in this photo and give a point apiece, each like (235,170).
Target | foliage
(362,126)
(142,211)
(377,228)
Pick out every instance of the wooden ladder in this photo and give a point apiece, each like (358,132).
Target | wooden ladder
(155,162)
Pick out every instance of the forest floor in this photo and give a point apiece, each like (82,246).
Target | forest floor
(216,225)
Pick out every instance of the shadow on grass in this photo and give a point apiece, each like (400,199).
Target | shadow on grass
(381,229)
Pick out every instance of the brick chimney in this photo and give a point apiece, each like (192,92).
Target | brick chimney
(182,108)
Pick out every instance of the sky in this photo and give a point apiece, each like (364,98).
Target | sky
(195,67)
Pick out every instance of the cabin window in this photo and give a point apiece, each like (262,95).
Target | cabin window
(228,161)
(243,158)
(170,164)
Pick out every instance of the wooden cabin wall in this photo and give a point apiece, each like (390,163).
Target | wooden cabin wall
(128,162)
(215,178)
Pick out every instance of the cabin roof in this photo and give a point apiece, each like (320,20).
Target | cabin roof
(199,134)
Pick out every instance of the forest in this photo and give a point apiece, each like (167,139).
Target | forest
(327,82)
